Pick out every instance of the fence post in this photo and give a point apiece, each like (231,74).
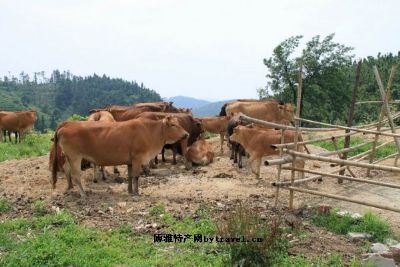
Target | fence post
(351,112)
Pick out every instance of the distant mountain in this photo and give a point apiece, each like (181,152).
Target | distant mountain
(210,109)
(187,102)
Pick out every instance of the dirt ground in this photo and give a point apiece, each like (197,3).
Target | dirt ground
(220,186)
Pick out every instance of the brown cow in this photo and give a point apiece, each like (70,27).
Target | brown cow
(191,125)
(217,125)
(133,143)
(19,121)
(162,106)
(268,110)
(200,153)
(257,141)
(101,116)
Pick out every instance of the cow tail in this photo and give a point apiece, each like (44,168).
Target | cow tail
(54,168)
(223,110)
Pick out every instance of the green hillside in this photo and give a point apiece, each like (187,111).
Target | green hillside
(64,94)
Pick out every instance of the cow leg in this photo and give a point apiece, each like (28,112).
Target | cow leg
(135,171)
(67,171)
(130,179)
(235,151)
(174,152)
(240,151)
(162,154)
(103,173)
(232,152)
(156,160)
(221,136)
(76,173)
(9,136)
(95,172)
(116,171)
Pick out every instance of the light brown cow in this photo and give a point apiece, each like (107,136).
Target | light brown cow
(268,110)
(101,116)
(257,141)
(217,125)
(19,121)
(200,153)
(133,143)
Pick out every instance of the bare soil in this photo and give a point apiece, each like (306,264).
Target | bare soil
(219,186)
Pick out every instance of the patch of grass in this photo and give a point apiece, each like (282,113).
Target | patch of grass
(56,240)
(5,205)
(34,145)
(369,223)
(39,208)
(243,222)
(380,153)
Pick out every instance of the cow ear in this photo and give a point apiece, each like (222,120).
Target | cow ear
(167,120)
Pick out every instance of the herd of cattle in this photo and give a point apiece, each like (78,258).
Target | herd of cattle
(135,135)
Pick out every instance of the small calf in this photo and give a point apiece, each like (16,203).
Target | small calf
(200,153)
(257,142)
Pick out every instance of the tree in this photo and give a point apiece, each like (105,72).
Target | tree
(326,76)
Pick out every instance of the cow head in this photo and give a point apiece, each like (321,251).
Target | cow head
(286,112)
(235,137)
(170,107)
(173,132)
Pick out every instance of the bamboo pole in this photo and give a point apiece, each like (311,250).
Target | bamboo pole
(385,98)
(279,168)
(330,175)
(281,126)
(343,162)
(365,154)
(345,128)
(350,115)
(283,160)
(377,102)
(385,103)
(370,204)
(370,126)
(340,154)
(339,151)
(296,137)
(305,129)
(385,158)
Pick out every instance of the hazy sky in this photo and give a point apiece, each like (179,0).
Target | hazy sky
(204,49)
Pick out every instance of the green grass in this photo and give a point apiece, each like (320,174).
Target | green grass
(33,145)
(39,208)
(369,223)
(58,240)
(5,205)
(380,153)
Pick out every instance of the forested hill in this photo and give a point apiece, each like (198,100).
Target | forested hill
(64,94)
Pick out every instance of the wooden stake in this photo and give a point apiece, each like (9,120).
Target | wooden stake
(385,98)
(279,168)
(351,112)
(296,137)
